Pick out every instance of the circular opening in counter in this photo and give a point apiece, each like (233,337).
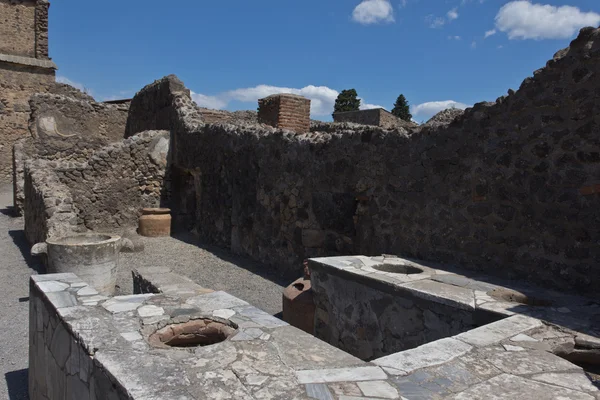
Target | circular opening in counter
(513,296)
(194,333)
(405,269)
(82,239)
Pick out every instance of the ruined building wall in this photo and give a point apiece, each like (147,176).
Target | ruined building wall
(509,188)
(24,69)
(17,30)
(104,194)
(376,117)
(65,127)
(17,84)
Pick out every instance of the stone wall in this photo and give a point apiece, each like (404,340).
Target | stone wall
(65,127)
(61,366)
(375,117)
(17,84)
(509,187)
(17,31)
(25,69)
(104,194)
(390,321)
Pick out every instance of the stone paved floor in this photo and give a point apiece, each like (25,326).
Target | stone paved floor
(209,267)
(15,269)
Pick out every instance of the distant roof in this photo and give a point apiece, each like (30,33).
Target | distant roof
(33,62)
(120,101)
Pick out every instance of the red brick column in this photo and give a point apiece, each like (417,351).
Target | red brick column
(285,111)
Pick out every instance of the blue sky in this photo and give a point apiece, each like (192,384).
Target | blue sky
(231,52)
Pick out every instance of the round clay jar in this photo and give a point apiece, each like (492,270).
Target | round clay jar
(155,222)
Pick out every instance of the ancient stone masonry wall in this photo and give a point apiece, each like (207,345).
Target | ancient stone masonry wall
(375,117)
(285,111)
(18,27)
(17,84)
(509,187)
(61,365)
(104,194)
(64,127)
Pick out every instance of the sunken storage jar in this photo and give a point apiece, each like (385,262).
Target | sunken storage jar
(299,306)
(155,222)
(94,258)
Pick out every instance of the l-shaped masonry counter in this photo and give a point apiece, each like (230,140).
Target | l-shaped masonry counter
(87,346)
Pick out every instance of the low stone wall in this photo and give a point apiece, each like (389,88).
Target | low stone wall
(106,193)
(61,364)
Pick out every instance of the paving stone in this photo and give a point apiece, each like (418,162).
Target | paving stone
(577,381)
(507,386)
(215,301)
(223,313)
(523,338)
(430,354)
(318,391)
(380,389)
(260,317)
(345,389)
(87,291)
(529,362)
(499,330)
(150,311)
(131,336)
(509,347)
(56,277)
(52,286)
(62,299)
(256,380)
(341,375)
(125,303)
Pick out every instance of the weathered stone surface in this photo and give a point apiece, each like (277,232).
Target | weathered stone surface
(498,331)
(428,355)
(355,374)
(510,387)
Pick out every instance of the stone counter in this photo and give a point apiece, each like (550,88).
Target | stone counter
(85,346)
(399,311)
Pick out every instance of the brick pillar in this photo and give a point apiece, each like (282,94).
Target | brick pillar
(285,111)
(41,29)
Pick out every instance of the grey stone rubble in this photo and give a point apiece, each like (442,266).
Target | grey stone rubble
(99,349)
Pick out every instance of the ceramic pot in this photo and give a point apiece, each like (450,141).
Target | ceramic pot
(298,305)
(155,222)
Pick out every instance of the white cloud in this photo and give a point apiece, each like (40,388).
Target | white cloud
(489,33)
(373,12)
(67,81)
(473,44)
(454,37)
(367,106)
(213,102)
(452,14)
(424,111)
(435,22)
(525,20)
(322,97)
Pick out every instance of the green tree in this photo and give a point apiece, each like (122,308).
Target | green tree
(401,109)
(347,101)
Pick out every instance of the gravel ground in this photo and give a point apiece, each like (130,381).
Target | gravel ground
(15,268)
(208,266)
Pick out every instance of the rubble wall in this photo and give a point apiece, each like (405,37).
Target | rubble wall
(104,194)
(509,188)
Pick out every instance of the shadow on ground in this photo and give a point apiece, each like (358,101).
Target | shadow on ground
(16,382)
(8,211)
(244,262)
(19,239)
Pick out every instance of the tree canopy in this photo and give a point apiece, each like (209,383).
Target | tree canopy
(401,109)
(347,100)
